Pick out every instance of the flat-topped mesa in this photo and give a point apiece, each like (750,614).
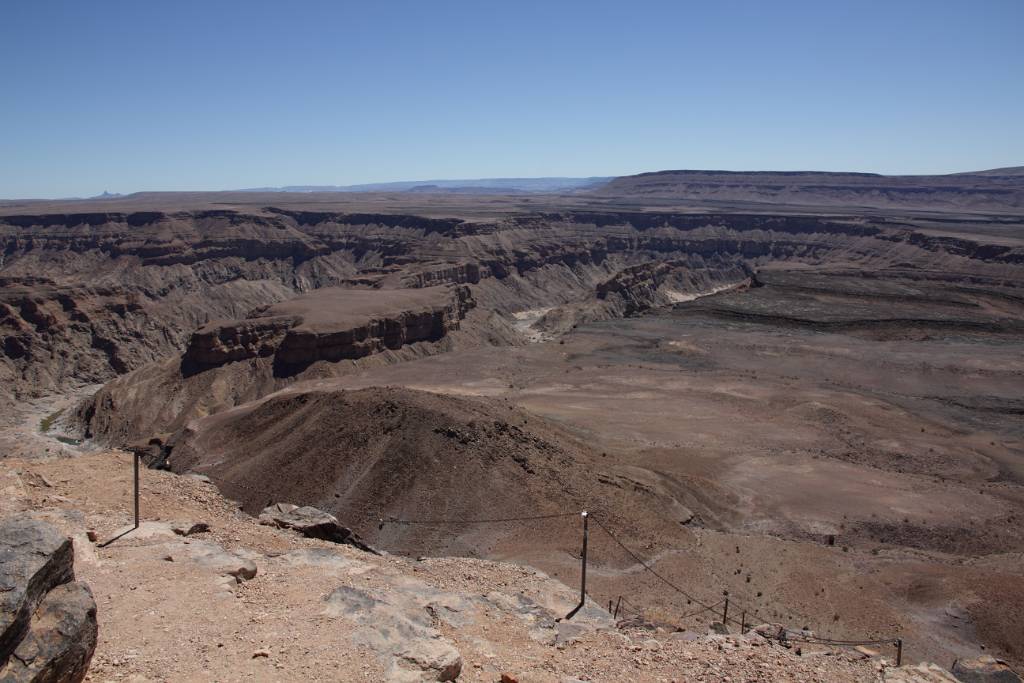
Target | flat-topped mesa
(225,342)
(333,324)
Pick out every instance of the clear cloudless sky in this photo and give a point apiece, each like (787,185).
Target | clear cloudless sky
(207,94)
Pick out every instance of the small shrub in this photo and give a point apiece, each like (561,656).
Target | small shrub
(47,422)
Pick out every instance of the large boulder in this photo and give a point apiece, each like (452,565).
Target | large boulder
(34,559)
(47,620)
(427,660)
(984,669)
(60,641)
(311,522)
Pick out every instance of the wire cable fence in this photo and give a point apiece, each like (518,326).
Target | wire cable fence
(500,520)
(646,566)
(376,514)
(784,634)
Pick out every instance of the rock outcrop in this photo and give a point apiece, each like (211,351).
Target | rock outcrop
(925,672)
(984,669)
(47,619)
(34,559)
(654,284)
(312,523)
(401,631)
(403,624)
(60,641)
(332,324)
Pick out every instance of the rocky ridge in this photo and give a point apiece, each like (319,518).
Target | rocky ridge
(384,453)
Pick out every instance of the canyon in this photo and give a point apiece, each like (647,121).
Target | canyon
(800,391)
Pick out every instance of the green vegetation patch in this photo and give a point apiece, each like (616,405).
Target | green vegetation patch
(47,422)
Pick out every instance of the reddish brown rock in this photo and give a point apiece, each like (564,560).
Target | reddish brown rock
(333,324)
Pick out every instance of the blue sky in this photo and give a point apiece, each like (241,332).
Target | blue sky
(130,96)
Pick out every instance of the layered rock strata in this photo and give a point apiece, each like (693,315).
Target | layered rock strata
(333,324)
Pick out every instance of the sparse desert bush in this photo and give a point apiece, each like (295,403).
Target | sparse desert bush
(47,422)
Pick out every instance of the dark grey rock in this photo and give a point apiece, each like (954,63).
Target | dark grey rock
(60,641)
(34,559)
(401,632)
(311,522)
(189,529)
(984,669)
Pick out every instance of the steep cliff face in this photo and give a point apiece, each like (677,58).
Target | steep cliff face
(88,296)
(649,285)
(332,324)
(55,334)
(227,363)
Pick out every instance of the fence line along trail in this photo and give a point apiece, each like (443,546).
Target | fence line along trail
(624,605)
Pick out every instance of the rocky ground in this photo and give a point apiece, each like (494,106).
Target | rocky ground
(249,602)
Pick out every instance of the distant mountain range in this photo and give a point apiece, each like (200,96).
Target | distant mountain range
(1005,171)
(466,186)
(559,184)
(999,189)
(996,189)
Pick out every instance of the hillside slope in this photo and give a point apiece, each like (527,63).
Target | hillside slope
(383,453)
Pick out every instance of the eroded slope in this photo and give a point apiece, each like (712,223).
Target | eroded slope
(380,454)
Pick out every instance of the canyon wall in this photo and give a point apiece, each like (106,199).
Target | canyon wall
(86,297)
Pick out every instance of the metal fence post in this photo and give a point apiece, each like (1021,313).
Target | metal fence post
(899,651)
(583,570)
(725,613)
(135,457)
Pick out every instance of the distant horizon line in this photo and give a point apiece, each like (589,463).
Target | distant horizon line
(480,183)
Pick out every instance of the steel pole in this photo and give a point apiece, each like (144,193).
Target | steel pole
(583,570)
(136,467)
(583,561)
